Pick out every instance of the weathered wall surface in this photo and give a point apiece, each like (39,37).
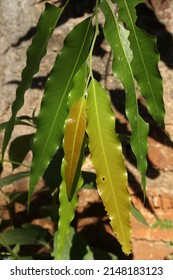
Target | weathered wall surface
(17,25)
(17,18)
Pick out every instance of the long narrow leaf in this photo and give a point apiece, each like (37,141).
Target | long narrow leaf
(27,235)
(78,86)
(145,60)
(138,215)
(73,145)
(18,121)
(75,127)
(35,53)
(3,125)
(106,156)
(54,105)
(67,208)
(73,141)
(66,214)
(67,246)
(117,37)
(13,178)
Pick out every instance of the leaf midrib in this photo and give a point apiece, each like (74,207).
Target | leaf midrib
(139,50)
(107,168)
(63,96)
(132,80)
(75,137)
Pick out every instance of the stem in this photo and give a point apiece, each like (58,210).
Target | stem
(66,4)
(94,41)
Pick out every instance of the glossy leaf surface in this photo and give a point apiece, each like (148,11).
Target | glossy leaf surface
(66,214)
(107,158)
(73,144)
(73,140)
(78,86)
(117,37)
(145,60)
(54,104)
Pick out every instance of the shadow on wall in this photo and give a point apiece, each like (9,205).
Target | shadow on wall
(148,21)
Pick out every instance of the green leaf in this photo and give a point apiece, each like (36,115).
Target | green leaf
(66,214)
(18,121)
(78,86)
(138,215)
(15,250)
(35,53)
(67,207)
(18,154)
(65,255)
(75,247)
(13,178)
(54,105)
(117,37)
(163,224)
(107,158)
(27,235)
(3,125)
(52,175)
(145,60)
(73,141)
(73,145)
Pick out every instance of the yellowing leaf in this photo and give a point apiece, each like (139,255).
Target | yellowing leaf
(106,156)
(73,140)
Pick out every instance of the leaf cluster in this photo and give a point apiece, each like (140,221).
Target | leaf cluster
(76,113)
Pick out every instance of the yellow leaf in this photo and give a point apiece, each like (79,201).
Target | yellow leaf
(106,156)
(73,140)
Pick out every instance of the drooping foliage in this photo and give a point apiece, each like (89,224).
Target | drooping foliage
(76,112)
